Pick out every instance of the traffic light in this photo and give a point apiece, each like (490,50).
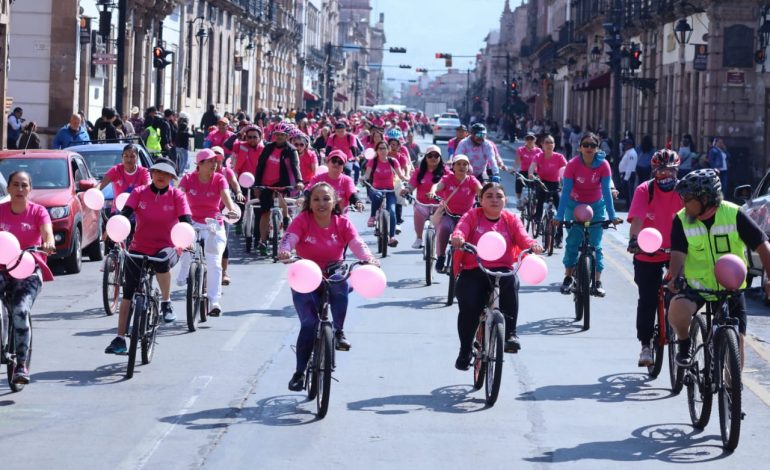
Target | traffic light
(159,60)
(398,50)
(442,55)
(420,70)
(636,57)
(514,88)
(448,61)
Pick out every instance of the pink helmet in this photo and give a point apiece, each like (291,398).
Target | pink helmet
(205,154)
(282,128)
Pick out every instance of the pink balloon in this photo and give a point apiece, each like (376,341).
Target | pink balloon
(649,240)
(321,170)
(369,153)
(9,247)
(583,213)
(25,268)
(533,269)
(246,179)
(304,276)
(120,200)
(118,228)
(182,235)
(491,246)
(228,220)
(94,199)
(368,280)
(730,271)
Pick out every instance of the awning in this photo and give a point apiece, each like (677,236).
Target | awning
(340,97)
(593,83)
(310,96)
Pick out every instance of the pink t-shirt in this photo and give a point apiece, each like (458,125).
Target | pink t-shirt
(344,186)
(474,224)
(204,199)
(323,246)
(587,182)
(527,156)
(343,144)
(246,157)
(307,163)
(548,168)
(122,182)
(272,172)
(156,214)
(218,139)
(384,173)
(25,226)
(463,199)
(423,186)
(402,156)
(660,215)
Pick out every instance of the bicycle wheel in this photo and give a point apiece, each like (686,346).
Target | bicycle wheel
(311,377)
(729,367)
(494,362)
(17,387)
(548,234)
(657,354)
(192,296)
(384,231)
(325,365)
(135,312)
(111,283)
(585,291)
(150,333)
(203,299)
(275,234)
(525,214)
(428,256)
(675,373)
(479,366)
(698,376)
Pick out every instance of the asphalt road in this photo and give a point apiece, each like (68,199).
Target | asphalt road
(218,398)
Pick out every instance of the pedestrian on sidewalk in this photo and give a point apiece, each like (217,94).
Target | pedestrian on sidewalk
(29,138)
(627,169)
(645,152)
(15,121)
(71,134)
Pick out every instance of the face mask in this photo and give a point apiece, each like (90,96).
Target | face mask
(666,184)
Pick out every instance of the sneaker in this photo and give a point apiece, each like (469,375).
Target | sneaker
(598,290)
(262,248)
(398,229)
(117,346)
(21,374)
(340,342)
(370,222)
(463,361)
(566,286)
(215,310)
(683,358)
(297,382)
(225,279)
(645,357)
(168,311)
(512,344)
(417,244)
(393,242)
(440,260)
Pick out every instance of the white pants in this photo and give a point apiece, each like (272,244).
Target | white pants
(214,242)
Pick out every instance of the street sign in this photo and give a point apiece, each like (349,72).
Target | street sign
(736,77)
(8,104)
(700,61)
(104,55)
(105,61)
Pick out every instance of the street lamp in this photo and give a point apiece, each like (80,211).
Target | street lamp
(596,51)
(202,35)
(682,31)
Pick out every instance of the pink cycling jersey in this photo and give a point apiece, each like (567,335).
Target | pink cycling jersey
(323,245)
(156,215)
(343,186)
(548,169)
(658,214)
(463,199)
(423,186)
(272,173)
(384,173)
(587,182)
(204,199)
(123,182)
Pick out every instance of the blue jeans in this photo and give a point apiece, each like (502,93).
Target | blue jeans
(307,306)
(575,235)
(181,160)
(352,168)
(390,203)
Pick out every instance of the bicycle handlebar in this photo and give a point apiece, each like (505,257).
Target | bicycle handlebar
(147,257)
(346,269)
(470,248)
(32,249)
(604,223)
(274,188)
(366,183)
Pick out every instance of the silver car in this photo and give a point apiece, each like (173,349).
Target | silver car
(757,207)
(445,129)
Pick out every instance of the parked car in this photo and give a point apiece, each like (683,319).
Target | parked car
(445,129)
(59,179)
(757,207)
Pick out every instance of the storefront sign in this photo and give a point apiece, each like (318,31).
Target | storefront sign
(736,78)
(700,61)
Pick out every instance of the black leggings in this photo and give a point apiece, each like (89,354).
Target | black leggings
(132,269)
(648,277)
(542,195)
(473,288)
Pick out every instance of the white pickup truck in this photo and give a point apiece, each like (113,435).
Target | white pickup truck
(757,207)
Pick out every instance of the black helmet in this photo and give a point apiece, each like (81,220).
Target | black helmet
(703,182)
(478,127)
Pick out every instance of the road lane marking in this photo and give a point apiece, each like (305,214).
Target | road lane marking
(760,391)
(240,333)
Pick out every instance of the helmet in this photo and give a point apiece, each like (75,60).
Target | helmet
(393,134)
(478,127)
(665,158)
(282,128)
(703,182)
(251,127)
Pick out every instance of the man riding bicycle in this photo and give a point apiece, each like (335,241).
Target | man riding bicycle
(479,152)
(712,227)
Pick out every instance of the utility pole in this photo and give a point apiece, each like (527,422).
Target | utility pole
(507,81)
(614,40)
(327,79)
(355,85)
(468,96)
(121,65)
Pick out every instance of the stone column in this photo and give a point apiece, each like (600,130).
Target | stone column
(62,95)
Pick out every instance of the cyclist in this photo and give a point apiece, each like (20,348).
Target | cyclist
(548,165)
(712,227)
(157,208)
(308,160)
(586,181)
(473,285)
(413,148)
(246,152)
(219,136)
(278,166)
(206,189)
(397,151)
(349,145)
(127,175)
(461,132)
(459,191)
(343,184)
(648,269)
(235,187)
(320,233)
(431,170)
(31,225)
(527,154)
(380,176)
(479,152)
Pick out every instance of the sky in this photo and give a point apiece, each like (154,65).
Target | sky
(425,27)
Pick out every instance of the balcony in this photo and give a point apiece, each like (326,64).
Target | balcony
(588,12)
(569,41)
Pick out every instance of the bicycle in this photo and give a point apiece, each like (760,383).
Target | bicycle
(381,220)
(276,216)
(716,368)
(489,345)
(585,271)
(529,207)
(428,241)
(112,277)
(551,234)
(197,300)
(144,312)
(249,222)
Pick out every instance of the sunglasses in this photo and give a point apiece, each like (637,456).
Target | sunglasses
(299,144)
(382,148)
(252,137)
(548,142)
(336,161)
(432,156)
(589,145)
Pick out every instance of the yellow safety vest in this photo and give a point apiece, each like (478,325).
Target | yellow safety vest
(153,140)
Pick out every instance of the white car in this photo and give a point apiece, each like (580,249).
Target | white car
(757,207)
(445,129)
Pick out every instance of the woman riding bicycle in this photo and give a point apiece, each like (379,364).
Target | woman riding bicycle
(527,154)
(127,175)
(343,184)
(235,187)
(648,268)
(473,285)
(31,225)
(458,191)
(320,233)
(431,170)
(157,208)
(308,160)
(206,190)
(586,181)
(548,165)
(397,151)
(380,172)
